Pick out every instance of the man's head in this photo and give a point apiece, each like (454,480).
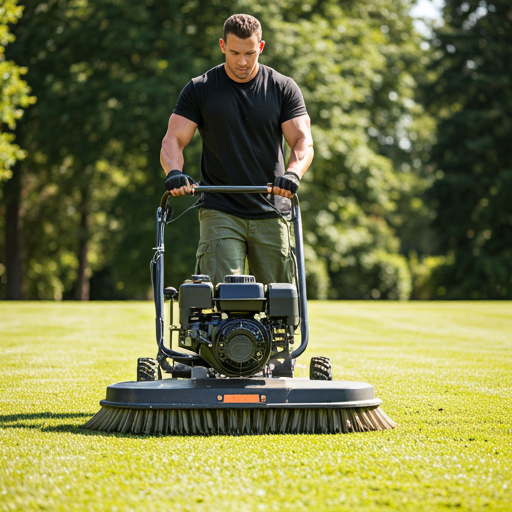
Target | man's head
(242,26)
(242,46)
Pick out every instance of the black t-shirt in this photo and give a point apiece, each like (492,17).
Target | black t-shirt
(240,125)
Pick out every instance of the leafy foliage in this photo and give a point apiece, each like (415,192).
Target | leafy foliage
(473,98)
(362,126)
(107,76)
(106,90)
(14,92)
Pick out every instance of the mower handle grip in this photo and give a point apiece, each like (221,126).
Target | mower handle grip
(222,189)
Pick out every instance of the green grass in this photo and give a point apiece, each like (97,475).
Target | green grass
(443,370)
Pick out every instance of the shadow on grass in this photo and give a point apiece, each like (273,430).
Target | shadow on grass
(33,421)
(36,421)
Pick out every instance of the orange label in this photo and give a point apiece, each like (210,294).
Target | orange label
(237,399)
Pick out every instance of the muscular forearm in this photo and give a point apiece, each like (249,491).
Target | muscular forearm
(301,156)
(171,154)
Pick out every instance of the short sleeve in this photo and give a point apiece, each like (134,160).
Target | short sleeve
(188,105)
(292,103)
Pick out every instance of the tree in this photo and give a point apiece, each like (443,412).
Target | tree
(107,75)
(473,99)
(104,73)
(14,96)
(14,92)
(355,64)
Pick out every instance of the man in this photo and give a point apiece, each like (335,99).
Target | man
(242,110)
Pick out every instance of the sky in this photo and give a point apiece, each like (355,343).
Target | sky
(430,9)
(427,10)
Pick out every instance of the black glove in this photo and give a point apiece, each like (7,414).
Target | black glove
(289,181)
(176,179)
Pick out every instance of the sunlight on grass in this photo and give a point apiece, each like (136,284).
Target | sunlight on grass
(443,370)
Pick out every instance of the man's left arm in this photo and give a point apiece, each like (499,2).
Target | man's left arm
(297,133)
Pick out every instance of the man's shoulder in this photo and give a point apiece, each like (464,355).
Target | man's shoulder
(274,75)
(211,74)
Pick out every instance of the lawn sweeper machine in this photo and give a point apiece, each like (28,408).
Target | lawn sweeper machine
(237,374)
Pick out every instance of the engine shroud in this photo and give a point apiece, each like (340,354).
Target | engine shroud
(241,346)
(240,325)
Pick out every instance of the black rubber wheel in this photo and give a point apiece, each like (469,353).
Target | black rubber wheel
(148,369)
(320,368)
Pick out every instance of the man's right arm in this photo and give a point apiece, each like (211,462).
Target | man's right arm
(179,133)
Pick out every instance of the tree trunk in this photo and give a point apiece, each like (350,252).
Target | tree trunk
(12,191)
(82,280)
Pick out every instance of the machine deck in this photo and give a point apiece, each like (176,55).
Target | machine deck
(246,393)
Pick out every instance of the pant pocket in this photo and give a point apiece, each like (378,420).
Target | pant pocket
(286,238)
(205,250)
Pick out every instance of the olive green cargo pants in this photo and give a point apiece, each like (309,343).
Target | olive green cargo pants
(228,243)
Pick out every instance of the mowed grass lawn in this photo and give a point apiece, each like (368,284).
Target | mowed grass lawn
(443,370)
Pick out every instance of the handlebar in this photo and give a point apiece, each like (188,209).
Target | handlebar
(226,189)
(233,189)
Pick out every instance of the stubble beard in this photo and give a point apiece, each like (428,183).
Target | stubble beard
(242,75)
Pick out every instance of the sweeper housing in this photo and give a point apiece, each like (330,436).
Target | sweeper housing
(237,376)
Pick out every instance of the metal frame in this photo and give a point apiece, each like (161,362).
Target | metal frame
(157,268)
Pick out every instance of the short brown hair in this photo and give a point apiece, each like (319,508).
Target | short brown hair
(242,26)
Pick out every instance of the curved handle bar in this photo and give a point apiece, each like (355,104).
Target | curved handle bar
(226,189)
(221,189)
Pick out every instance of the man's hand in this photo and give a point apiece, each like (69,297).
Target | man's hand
(179,184)
(286,185)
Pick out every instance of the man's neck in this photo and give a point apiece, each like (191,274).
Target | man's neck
(238,80)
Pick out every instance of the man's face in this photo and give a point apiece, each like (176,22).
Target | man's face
(241,56)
